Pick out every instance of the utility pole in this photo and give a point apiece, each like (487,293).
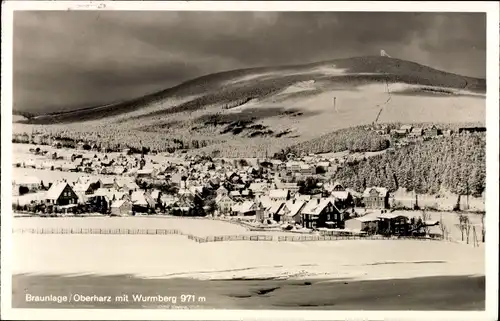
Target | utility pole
(335,104)
(476,243)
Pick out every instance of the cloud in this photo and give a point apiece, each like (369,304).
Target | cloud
(70,59)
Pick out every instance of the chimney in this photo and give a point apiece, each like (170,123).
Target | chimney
(319,200)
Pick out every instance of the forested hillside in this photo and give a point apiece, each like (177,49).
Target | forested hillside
(456,164)
(356,139)
(359,139)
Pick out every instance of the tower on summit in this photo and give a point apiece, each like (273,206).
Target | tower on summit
(384,54)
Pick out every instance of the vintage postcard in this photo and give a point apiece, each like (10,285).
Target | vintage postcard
(249,160)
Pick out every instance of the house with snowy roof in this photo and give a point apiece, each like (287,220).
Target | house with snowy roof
(265,201)
(247,208)
(271,211)
(307,169)
(88,179)
(406,128)
(222,191)
(119,170)
(108,182)
(376,197)
(342,199)
(259,188)
(234,193)
(321,212)
(61,194)
(293,187)
(293,166)
(168,200)
(416,132)
(111,194)
(146,172)
(291,211)
(394,223)
(302,197)
(224,204)
(121,208)
(279,195)
(142,201)
(87,187)
(127,186)
(363,223)
(335,186)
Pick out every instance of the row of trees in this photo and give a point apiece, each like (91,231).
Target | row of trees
(457,164)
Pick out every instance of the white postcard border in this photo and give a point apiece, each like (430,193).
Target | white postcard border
(492,182)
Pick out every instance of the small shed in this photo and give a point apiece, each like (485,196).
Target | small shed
(435,232)
(406,128)
(362,223)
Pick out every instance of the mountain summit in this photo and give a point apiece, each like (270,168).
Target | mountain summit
(286,84)
(261,110)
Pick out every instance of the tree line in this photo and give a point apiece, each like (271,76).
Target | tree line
(457,164)
(355,139)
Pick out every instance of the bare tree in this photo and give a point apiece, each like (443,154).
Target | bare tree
(468,226)
(462,219)
(425,219)
(474,234)
(465,226)
(482,227)
(442,227)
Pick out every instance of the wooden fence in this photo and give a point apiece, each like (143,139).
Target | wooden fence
(219,238)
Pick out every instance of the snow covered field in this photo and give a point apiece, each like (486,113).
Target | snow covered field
(206,227)
(21,153)
(48,176)
(198,227)
(151,256)
(156,256)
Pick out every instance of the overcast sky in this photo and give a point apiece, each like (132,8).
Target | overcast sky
(70,59)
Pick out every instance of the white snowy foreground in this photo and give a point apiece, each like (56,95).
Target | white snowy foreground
(197,227)
(153,256)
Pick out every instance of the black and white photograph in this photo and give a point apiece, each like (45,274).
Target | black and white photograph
(249,159)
